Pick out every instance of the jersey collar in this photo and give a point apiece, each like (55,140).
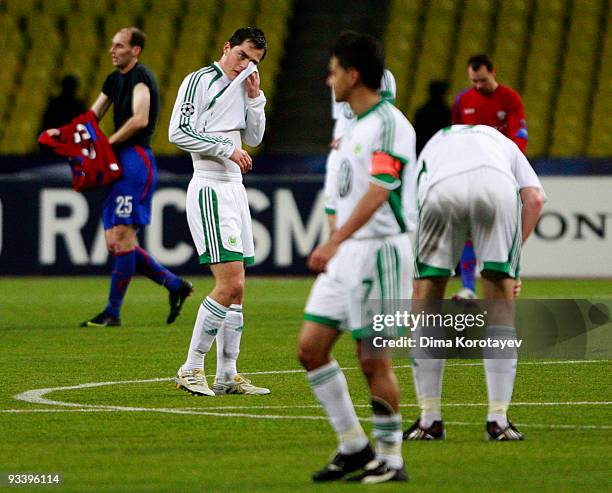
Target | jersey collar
(371,109)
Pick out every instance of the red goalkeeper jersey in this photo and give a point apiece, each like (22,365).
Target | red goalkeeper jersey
(91,157)
(501,109)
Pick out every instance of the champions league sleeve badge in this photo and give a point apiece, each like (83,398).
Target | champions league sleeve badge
(187,109)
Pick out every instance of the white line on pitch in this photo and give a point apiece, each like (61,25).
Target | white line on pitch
(306,406)
(275,417)
(450,404)
(48,410)
(521,363)
(36,396)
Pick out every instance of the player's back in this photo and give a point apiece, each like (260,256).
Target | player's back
(460,148)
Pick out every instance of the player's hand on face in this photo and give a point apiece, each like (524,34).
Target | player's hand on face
(335,144)
(516,291)
(320,256)
(242,159)
(252,83)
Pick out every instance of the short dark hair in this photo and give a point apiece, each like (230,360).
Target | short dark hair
(362,52)
(137,37)
(253,35)
(477,61)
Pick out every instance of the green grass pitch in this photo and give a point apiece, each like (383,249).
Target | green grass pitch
(153,437)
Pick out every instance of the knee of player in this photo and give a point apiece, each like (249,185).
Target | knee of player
(233,290)
(367,368)
(233,293)
(310,357)
(373,367)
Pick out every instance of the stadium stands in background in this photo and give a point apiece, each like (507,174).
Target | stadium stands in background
(556,53)
(43,40)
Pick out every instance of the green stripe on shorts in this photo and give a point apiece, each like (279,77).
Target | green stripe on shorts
(328,322)
(424,270)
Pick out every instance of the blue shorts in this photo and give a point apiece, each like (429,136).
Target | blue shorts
(128,200)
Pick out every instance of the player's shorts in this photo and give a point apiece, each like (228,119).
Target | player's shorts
(128,200)
(362,272)
(220,220)
(483,205)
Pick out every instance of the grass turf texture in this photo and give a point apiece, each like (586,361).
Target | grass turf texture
(42,346)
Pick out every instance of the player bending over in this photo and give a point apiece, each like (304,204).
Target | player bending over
(472,179)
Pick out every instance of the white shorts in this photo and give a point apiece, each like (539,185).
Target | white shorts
(361,271)
(483,205)
(219,220)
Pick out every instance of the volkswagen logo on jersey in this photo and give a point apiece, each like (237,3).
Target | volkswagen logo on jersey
(345,178)
(187,109)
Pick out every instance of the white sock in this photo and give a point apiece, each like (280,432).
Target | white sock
(427,375)
(500,375)
(388,435)
(330,388)
(228,344)
(210,318)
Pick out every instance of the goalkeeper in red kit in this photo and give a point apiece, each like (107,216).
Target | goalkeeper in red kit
(490,103)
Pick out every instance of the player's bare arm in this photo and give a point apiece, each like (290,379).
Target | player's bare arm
(141,103)
(365,209)
(533,201)
(331,221)
(101,105)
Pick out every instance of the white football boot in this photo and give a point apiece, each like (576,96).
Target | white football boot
(193,381)
(239,385)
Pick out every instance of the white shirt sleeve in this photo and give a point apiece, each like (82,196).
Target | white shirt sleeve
(255,120)
(523,172)
(388,88)
(183,132)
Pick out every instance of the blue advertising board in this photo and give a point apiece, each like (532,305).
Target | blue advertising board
(47,228)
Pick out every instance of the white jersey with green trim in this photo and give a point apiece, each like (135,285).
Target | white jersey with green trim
(212,115)
(343,117)
(460,148)
(381,129)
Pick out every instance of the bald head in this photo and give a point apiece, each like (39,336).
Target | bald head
(136,36)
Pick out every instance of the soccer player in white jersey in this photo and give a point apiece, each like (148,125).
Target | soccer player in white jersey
(217,108)
(343,117)
(368,257)
(472,179)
